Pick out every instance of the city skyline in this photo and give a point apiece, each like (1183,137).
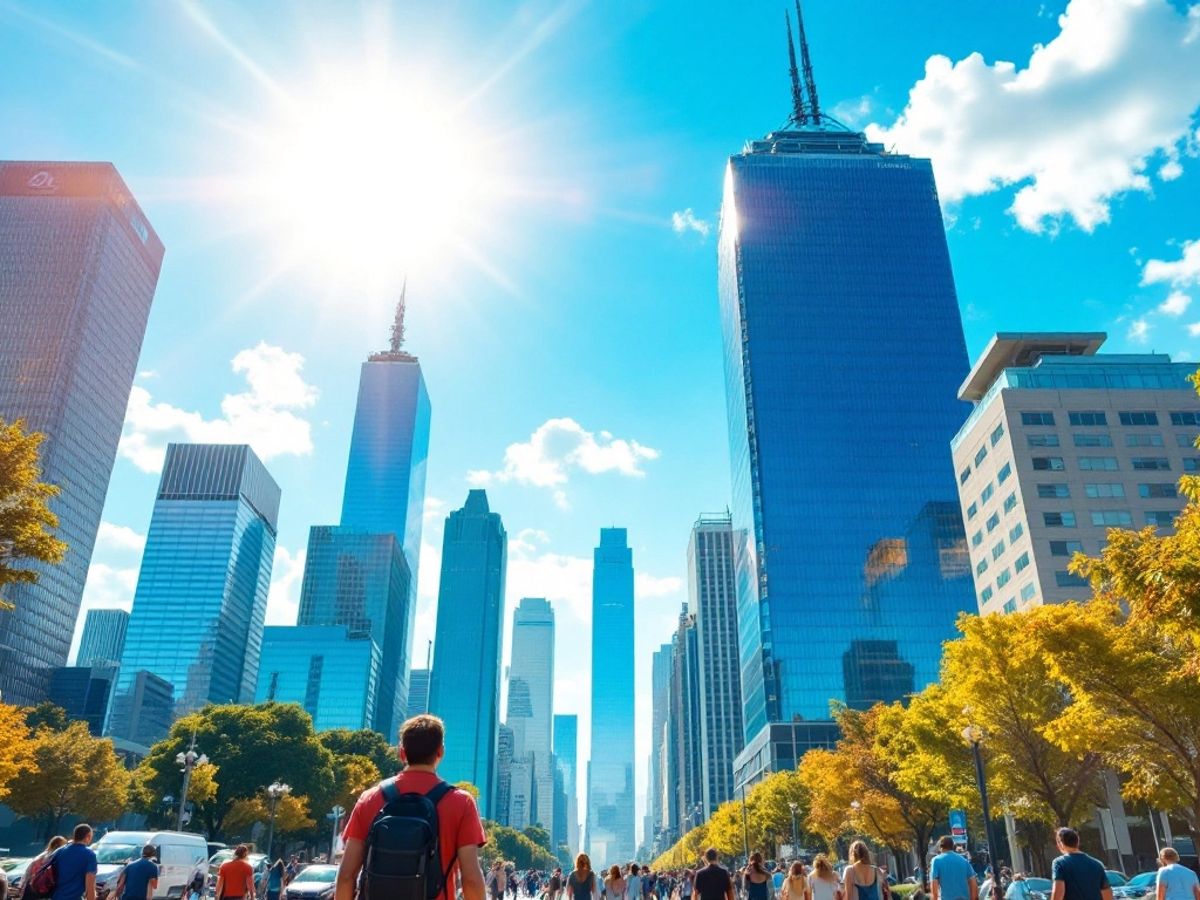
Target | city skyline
(633,455)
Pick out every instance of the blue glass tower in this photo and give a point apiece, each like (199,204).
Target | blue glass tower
(566,738)
(197,618)
(843,351)
(610,806)
(464,687)
(103,638)
(78,267)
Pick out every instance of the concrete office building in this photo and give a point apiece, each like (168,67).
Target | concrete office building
(1065,443)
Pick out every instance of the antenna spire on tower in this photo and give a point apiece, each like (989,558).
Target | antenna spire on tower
(799,110)
(809,82)
(398,325)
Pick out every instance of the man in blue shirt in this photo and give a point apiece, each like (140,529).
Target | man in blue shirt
(1076,875)
(139,880)
(950,876)
(1175,882)
(75,867)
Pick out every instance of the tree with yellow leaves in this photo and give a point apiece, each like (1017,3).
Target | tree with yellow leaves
(16,756)
(26,522)
(291,815)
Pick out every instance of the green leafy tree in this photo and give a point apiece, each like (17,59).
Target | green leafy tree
(71,772)
(363,742)
(26,522)
(510,845)
(538,835)
(46,715)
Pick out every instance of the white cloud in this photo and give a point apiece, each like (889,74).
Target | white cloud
(1179,272)
(287,577)
(264,416)
(435,510)
(647,585)
(853,111)
(109,585)
(429,571)
(1194,329)
(1075,128)
(119,537)
(682,222)
(559,446)
(1139,331)
(1176,304)
(113,572)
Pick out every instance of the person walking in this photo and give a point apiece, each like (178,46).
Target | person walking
(75,865)
(1076,875)
(614,884)
(795,885)
(275,880)
(633,884)
(36,863)
(496,881)
(757,879)
(235,878)
(460,830)
(713,881)
(861,880)
(823,883)
(582,882)
(1175,882)
(139,879)
(555,885)
(685,885)
(950,875)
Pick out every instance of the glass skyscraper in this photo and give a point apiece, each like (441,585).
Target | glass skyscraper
(566,739)
(197,619)
(78,268)
(610,804)
(103,638)
(322,668)
(843,352)
(531,706)
(464,688)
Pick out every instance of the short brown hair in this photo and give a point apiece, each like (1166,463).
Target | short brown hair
(421,737)
(1170,854)
(82,832)
(241,851)
(946,843)
(1068,837)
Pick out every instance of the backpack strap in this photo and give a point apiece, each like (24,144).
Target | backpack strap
(390,792)
(435,796)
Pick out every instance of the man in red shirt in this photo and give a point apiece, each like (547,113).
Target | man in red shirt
(460,831)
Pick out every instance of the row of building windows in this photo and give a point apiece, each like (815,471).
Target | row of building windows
(1094,418)
(1109,518)
(1159,490)
(1101,439)
(1102,464)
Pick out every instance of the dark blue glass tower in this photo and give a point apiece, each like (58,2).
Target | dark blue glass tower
(843,352)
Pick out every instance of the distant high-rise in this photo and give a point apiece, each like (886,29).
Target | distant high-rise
(418,692)
(660,702)
(566,738)
(84,693)
(843,350)
(611,813)
(201,596)
(531,705)
(103,638)
(78,268)
(360,580)
(684,721)
(464,687)
(712,596)
(504,759)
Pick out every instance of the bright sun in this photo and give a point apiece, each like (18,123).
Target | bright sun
(366,178)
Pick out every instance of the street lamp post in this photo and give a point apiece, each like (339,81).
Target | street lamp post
(336,814)
(973,735)
(189,760)
(276,791)
(745,827)
(795,831)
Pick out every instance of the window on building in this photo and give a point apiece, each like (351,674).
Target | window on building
(1043,440)
(1050,491)
(964,475)
(986,594)
(1068,579)
(1112,518)
(977,538)
(997,434)
(1191,464)
(1139,417)
(1005,471)
(1059,519)
(1087,417)
(987,493)
(1022,562)
(1065,548)
(1048,464)
(992,522)
(1186,440)
(1187,417)
(1092,440)
(972,510)
(1143,440)
(1037,418)
(1159,490)
(1104,489)
(1028,591)
(1098,464)
(1161,518)
(1010,502)
(1150,464)
(998,550)
(1015,532)
(979,456)
(1010,606)
(1003,578)
(981,567)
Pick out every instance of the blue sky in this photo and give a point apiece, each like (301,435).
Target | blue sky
(548,175)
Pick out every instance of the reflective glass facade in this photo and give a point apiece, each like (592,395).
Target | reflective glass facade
(464,689)
(610,805)
(566,738)
(333,675)
(201,598)
(84,693)
(103,638)
(78,268)
(361,581)
(531,704)
(843,354)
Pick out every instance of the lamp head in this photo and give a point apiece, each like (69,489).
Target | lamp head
(973,734)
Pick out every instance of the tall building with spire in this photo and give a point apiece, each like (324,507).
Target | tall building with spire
(843,350)
(610,805)
(362,573)
(464,686)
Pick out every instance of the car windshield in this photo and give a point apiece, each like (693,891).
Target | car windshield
(14,865)
(1145,879)
(113,854)
(323,874)
(1116,879)
(221,856)
(1039,884)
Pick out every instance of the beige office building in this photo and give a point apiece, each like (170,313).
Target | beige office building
(1064,444)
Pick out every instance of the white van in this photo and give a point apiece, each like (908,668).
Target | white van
(180,856)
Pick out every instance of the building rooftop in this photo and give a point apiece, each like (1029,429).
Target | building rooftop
(1024,348)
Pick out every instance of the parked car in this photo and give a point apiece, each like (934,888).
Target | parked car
(313,883)
(1036,889)
(1139,885)
(180,856)
(1115,879)
(16,870)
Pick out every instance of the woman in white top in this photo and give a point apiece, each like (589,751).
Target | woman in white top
(795,884)
(614,885)
(823,883)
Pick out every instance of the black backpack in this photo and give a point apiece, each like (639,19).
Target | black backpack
(403,857)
